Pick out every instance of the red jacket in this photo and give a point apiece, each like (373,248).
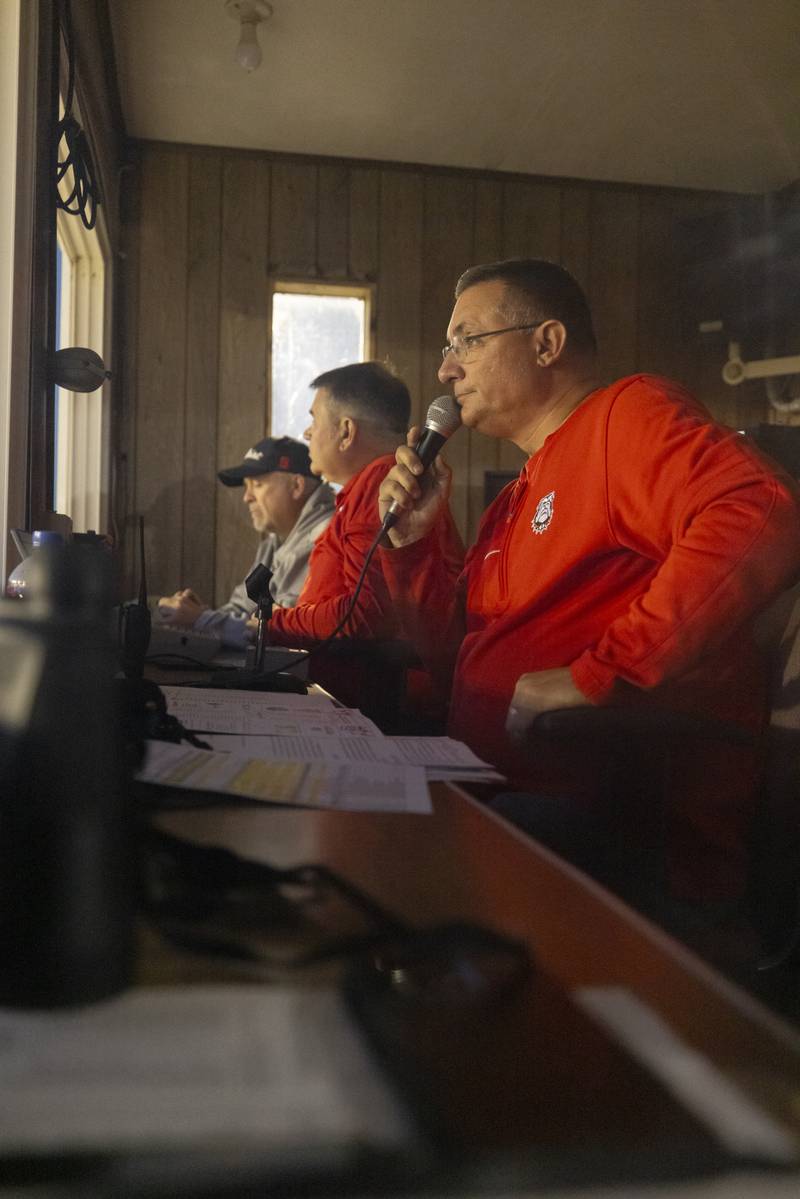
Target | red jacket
(334,567)
(634,548)
(333,572)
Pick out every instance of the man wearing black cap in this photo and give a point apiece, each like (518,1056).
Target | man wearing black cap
(291,508)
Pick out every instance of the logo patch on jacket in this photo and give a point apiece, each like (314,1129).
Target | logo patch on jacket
(544,513)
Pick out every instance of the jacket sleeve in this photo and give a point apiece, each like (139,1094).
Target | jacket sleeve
(229,622)
(722,527)
(329,589)
(427,583)
(334,570)
(230,627)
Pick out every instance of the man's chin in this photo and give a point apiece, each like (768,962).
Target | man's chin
(469,417)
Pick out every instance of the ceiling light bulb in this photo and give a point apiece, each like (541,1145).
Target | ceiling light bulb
(248,52)
(249,14)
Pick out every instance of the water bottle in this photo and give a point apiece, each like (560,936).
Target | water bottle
(23,576)
(66,829)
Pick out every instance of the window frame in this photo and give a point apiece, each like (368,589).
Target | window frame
(82,440)
(29,464)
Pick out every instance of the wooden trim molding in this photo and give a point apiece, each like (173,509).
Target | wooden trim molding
(31,411)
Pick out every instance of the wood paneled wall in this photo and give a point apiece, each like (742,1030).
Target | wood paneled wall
(208,229)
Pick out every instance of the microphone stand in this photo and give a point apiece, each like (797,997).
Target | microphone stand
(257,587)
(253,678)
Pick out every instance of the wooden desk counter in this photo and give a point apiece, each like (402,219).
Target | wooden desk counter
(464,862)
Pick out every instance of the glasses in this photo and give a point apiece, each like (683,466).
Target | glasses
(460,347)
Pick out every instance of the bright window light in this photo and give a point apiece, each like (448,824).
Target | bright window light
(315,327)
(82,426)
(80,418)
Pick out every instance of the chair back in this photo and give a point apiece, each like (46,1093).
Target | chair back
(776,832)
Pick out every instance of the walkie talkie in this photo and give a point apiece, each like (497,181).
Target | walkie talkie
(134,622)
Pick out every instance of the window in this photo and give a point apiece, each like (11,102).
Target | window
(80,458)
(315,327)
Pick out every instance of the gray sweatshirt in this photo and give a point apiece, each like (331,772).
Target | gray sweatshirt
(288,561)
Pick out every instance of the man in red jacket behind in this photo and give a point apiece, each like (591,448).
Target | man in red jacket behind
(622,567)
(359,415)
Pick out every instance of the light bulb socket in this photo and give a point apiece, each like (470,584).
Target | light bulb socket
(254,10)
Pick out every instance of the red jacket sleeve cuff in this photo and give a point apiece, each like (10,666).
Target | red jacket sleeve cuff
(597,681)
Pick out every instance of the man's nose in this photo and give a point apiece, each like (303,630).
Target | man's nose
(450,369)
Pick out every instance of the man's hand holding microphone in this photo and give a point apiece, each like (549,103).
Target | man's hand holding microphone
(418,485)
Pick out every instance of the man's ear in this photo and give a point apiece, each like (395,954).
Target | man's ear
(348,430)
(297,487)
(550,341)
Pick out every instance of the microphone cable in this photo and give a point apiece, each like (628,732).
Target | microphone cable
(323,645)
(351,606)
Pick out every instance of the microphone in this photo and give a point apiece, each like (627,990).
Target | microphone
(444,417)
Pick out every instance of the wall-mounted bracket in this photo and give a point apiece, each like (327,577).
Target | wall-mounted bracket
(736,371)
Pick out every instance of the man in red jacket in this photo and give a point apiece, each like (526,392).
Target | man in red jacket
(359,415)
(622,567)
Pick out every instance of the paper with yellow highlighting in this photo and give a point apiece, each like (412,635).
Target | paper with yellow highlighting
(351,786)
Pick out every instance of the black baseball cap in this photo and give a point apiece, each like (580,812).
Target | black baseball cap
(273,453)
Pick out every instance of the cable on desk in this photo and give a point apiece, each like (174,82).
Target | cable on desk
(143,709)
(183,661)
(184,887)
